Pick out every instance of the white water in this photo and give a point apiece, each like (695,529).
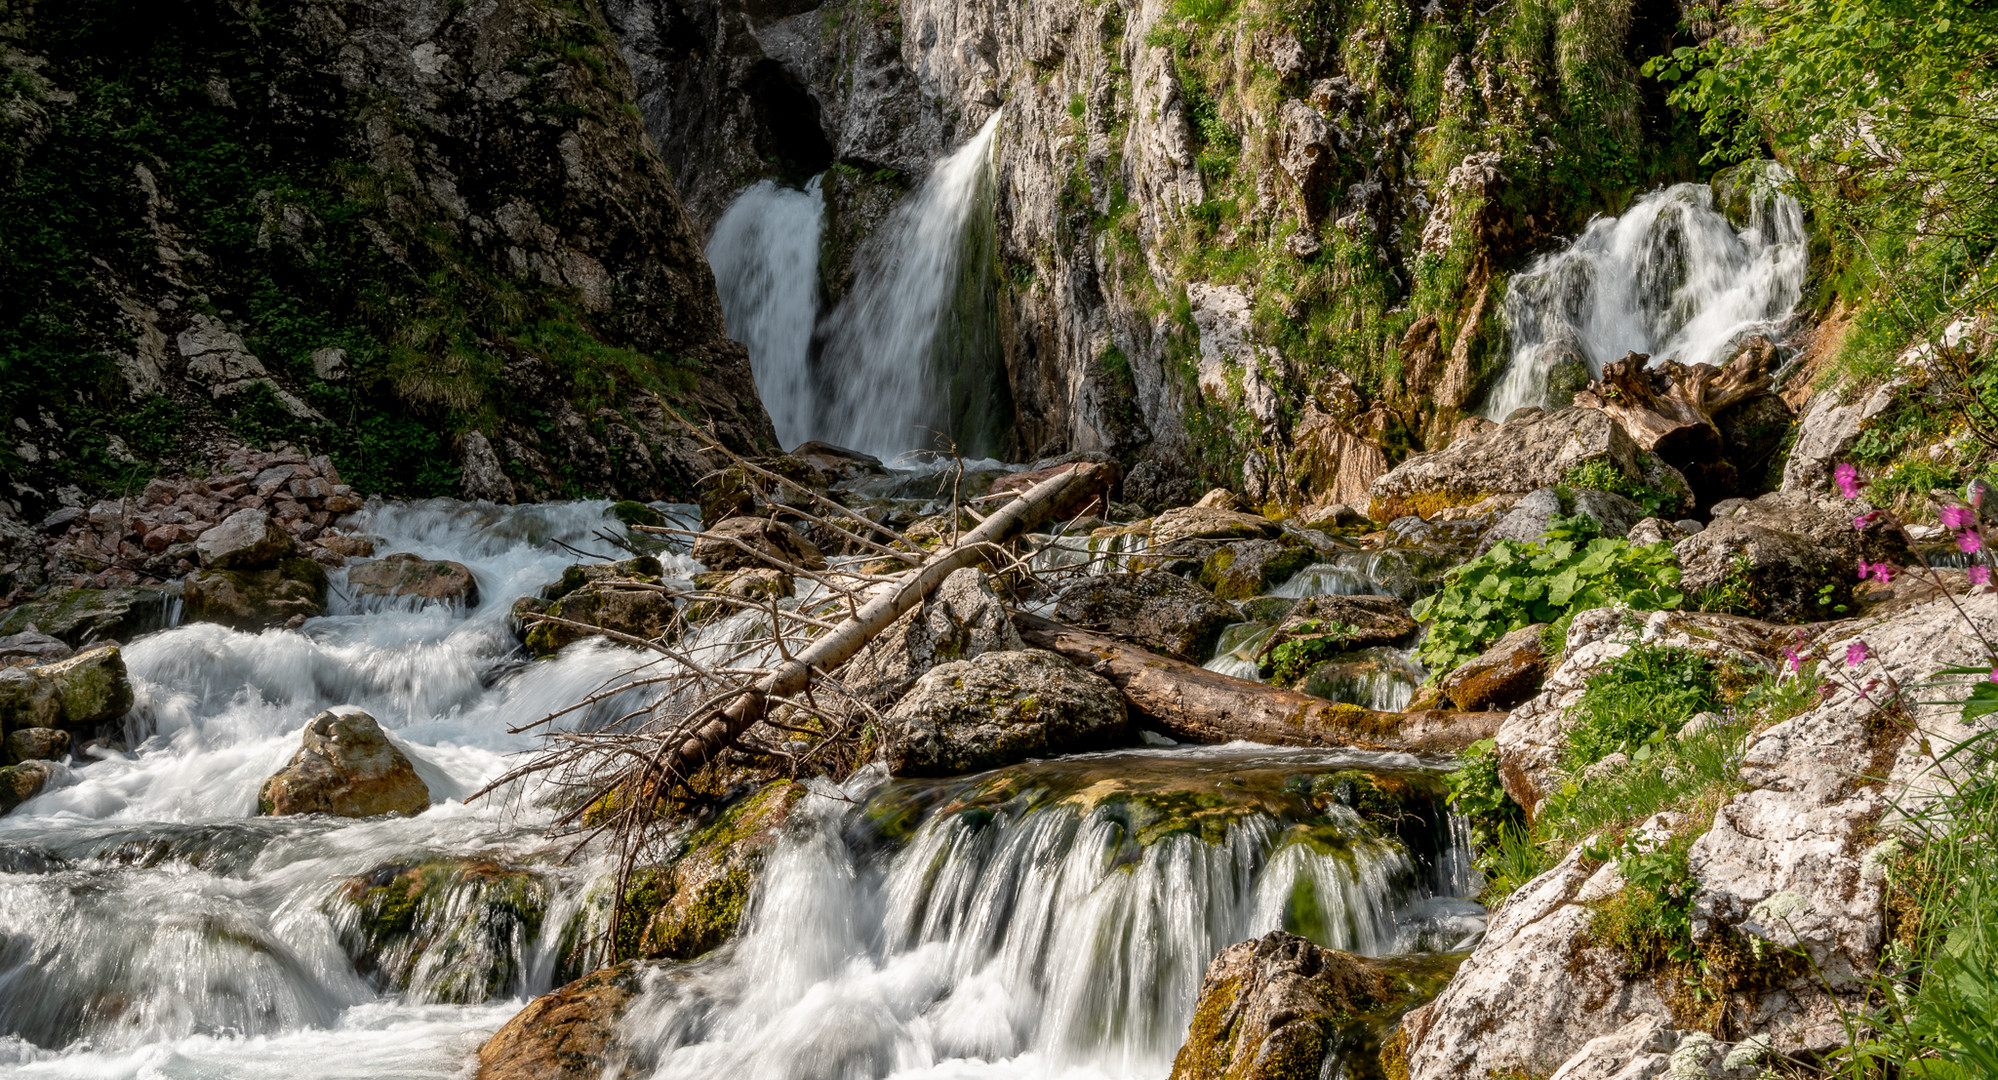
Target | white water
(1670,278)
(881,390)
(765,253)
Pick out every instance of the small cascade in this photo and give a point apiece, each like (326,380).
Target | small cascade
(765,254)
(1052,917)
(911,348)
(1672,278)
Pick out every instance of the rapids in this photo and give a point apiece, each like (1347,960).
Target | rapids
(1049,919)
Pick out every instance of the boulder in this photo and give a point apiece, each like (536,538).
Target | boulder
(1089,495)
(1279,1007)
(837,463)
(643,568)
(1249,568)
(442,928)
(755,585)
(697,900)
(741,542)
(737,492)
(630,607)
(78,617)
(1526,453)
(347,767)
(1531,517)
(1338,517)
(1158,610)
(245,540)
(404,574)
(19,783)
(255,599)
(32,647)
(1210,523)
(76,694)
(961,620)
(1827,431)
(569,1033)
(1653,530)
(347,547)
(1786,557)
(35,744)
(1000,708)
(1502,676)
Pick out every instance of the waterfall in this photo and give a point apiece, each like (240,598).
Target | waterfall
(765,253)
(901,355)
(1672,278)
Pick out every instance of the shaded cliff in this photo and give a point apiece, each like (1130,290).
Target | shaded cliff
(430,239)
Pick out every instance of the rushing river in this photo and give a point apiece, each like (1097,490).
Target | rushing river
(1051,919)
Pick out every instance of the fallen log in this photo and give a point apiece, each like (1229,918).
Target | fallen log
(1199,705)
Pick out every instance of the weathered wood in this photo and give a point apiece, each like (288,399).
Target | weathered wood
(886,602)
(1193,703)
(1673,405)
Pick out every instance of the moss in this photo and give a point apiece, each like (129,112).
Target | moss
(633,512)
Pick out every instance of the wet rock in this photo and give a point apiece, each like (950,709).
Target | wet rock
(1338,517)
(633,608)
(347,767)
(1371,620)
(256,599)
(76,694)
(694,903)
(961,620)
(347,547)
(80,616)
(19,783)
(1280,1007)
(32,647)
(1210,523)
(837,463)
(35,744)
(569,1033)
(1251,567)
(245,540)
(1090,494)
(1531,517)
(1502,676)
(404,574)
(1000,708)
(1156,609)
(736,491)
(1524,454)
(643,568)
(445,930)
(742,542)
(756,585)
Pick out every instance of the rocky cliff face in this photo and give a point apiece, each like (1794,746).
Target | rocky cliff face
(432,239)
(1265,240)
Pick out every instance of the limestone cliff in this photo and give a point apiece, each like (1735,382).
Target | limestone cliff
(432,239)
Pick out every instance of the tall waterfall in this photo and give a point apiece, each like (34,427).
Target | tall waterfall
(1672,278)
(765,253)
(880,366)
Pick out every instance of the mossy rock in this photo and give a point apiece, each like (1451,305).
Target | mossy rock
(633,611)
(695,902)
(643,568)
(255,599)
(445,930)
(1253,567)
(79,616)
(632,512)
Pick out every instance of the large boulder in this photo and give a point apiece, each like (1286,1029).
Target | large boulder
(1210,523)
(75,695)
(1787,557)
(741,542)
(1249,568)
(403,574)
(1088,494)
(962,619)
(1367,619)
(1535,450)
(1531,517)
(80,616)
(1827,432)
(696,901)
(570,1033)
(245,540)
(281,595)
(758,585)
(34,744)
(1279,1007)
(1502,676)
(442,929)
(1001,708)
(19,783)
(346,766)
(621,597)
(1161,611)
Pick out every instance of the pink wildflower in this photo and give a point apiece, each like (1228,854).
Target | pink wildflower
(1994,674)
(1958,517)
(1879,571)
(1979,575)
(1856,654)
(1868,518)
(1969,542)
(1797,662)
(1846,476)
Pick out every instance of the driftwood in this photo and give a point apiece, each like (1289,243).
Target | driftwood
(1671,408)
(1195,704)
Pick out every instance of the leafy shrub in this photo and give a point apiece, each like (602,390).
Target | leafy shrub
(1636,700)
(1651,920)
(1517,584)
(1600,475)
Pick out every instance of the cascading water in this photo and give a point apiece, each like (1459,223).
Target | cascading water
(893,366)
(1672,278)
(765,253)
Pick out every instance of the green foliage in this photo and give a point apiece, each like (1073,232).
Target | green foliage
(1732,594)
(1517,584)
(1602,475)
(1507,855)
(1312,643)
(1909,483)
(1651,920)
(1636,701)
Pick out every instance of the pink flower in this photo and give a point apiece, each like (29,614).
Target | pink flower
(1868,518)
(1958,517)
(1880,571)
(1856,654)
(1994,674)
(1979,575)
(1969,541)
(1847,479)
(1797,662)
